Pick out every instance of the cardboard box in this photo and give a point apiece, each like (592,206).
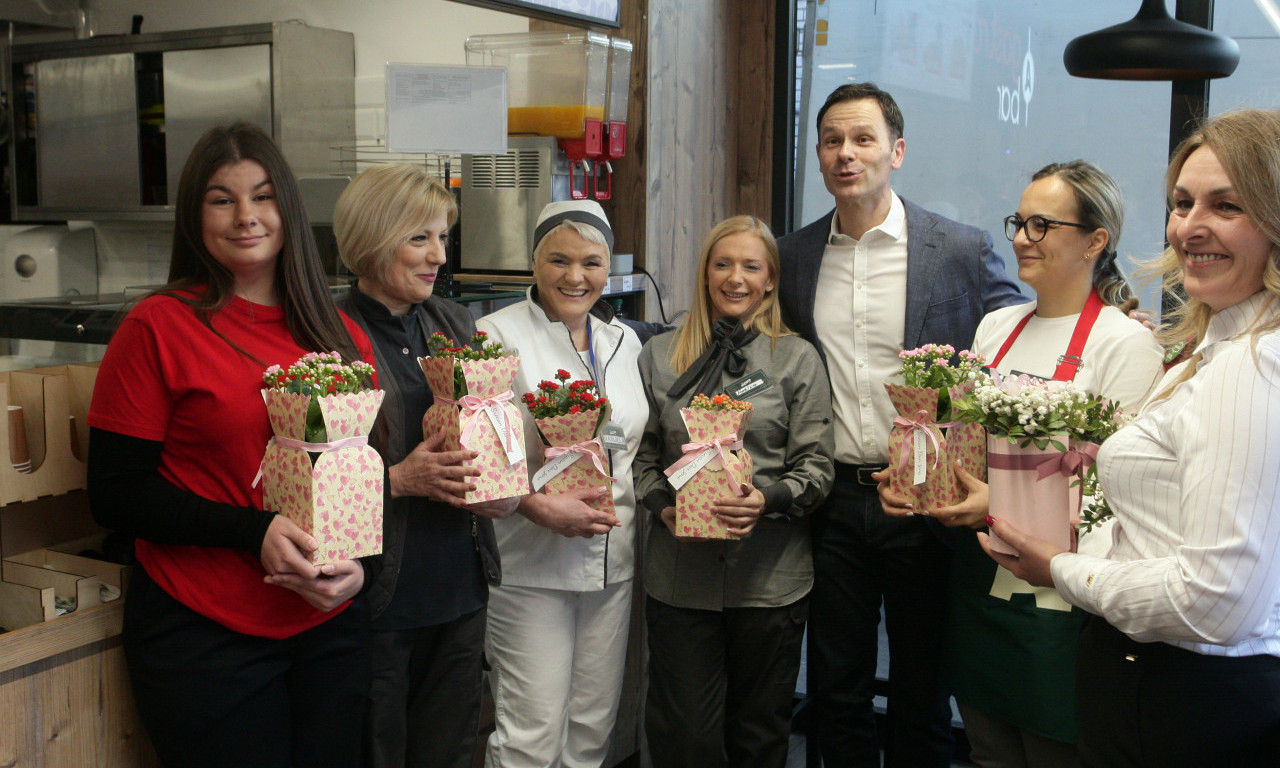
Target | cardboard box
(338,499)
(1039,503)
(485,420)
(717,479)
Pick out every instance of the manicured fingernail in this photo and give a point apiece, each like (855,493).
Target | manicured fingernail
(990,520)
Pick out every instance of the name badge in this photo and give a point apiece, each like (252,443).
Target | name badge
(613,438)
(752,384)
(1023,373)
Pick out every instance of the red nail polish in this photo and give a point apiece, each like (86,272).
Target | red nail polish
(990,520)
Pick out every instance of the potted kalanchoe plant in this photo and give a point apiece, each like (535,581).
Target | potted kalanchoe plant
(318,469)
(569,416)
(925,438)
(714,465)
(471,387)
(1042,440)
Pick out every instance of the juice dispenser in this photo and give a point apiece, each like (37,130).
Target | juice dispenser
(560,85)
(615,117)
(557,84)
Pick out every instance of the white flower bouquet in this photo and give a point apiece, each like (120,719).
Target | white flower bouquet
(1042,440)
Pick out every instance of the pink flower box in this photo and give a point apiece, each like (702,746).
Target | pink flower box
(576,433)
(1027,487)
(338,499)
(470,422)
(716,480)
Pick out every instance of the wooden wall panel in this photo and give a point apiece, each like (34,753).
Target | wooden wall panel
(708,104)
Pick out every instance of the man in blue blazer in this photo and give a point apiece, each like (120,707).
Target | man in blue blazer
(875,276)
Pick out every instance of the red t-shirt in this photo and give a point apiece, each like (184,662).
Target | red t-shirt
(166,377)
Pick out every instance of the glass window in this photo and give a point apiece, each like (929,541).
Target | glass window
(1255,25)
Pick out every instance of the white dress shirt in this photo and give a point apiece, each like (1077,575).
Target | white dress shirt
(1195,484)
(860,314)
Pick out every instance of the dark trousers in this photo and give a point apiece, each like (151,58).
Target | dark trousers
(1154,705)
(862,558)
(721,684)
(424,706)
(210,696)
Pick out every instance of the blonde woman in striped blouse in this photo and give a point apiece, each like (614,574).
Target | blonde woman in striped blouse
(1182,667)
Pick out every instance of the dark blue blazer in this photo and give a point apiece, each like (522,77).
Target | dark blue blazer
(954,277)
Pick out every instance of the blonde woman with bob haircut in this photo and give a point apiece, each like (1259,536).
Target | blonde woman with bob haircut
(727,616)
(1180,665)
(429,602)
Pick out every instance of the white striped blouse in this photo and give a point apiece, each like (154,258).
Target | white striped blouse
(1195,484)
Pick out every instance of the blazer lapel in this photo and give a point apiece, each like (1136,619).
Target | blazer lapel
(923,263)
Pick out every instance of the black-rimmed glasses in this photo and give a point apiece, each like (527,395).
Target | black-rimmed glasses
(1036,226)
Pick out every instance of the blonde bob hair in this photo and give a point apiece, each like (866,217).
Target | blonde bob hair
(695,335)
(1247,145)
(381,209)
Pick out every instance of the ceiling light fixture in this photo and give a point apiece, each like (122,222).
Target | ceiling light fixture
(1152,46)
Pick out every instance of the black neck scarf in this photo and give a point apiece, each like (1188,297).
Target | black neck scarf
(723,354)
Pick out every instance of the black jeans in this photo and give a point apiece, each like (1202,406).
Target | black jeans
(862,558)
(210,696)
(1154,705)
(424,706)
(721,684)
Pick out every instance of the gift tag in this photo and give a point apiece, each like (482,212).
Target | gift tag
(553,468)
(686,473)
(751,384)
(613,438)
(921,456)
(498,416)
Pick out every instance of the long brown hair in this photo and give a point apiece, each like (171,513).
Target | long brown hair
(309,312)
(695,334)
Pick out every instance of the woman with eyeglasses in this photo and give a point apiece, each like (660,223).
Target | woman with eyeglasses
(1010,650)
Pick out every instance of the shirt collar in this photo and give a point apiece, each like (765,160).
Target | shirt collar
(1236,320)
(893,227)
(371,307)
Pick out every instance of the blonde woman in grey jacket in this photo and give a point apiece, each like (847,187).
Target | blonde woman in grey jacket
(726,618)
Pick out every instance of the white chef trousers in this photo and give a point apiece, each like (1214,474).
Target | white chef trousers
(556,660)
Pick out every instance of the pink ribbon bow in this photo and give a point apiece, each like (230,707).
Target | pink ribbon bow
(721,444)
(923,421)
(593,448)
(475,406)
(302,445)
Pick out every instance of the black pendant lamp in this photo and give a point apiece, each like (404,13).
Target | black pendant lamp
(1152,46)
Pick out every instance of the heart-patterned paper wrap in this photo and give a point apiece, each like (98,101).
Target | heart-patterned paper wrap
(918,415)
(719,478)
(577,433)
(338,499)
(470,422)
(967,441)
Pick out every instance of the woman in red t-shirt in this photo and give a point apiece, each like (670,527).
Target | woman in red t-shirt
(240,651)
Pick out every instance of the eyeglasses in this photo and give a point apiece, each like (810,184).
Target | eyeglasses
(1036,226)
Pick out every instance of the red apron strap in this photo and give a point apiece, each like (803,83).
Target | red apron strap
(1069,363)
